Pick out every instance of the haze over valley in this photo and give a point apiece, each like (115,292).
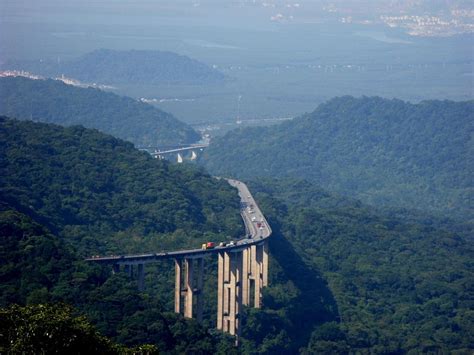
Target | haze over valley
(236,177)
(276,69)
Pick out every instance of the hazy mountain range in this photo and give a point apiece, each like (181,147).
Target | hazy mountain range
(106,66)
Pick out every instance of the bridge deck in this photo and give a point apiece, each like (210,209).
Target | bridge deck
(177,150)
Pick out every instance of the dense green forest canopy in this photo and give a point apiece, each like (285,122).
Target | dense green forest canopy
(384,152)
(53,101)
(107,66)
(39,269)
(54,329)
(346,278)
(343,276)
(68,193)
(98,191)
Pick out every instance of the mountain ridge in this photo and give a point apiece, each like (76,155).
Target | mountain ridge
(343,276)
(384,152)
(53,101)
(106,66)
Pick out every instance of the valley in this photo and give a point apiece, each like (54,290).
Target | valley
(236,177)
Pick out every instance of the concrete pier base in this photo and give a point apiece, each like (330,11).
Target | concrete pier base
(141,276)
(256,267)
(189,279)
(245,282)
(229,295)
(265,264)
(128,268)
(199,289)
(188,288)
(115,268)
(177,285)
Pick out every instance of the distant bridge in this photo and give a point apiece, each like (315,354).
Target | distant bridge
(242,267)
(177,153)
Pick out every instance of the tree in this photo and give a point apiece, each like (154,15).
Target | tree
(52,329)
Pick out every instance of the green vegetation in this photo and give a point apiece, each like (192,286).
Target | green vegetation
(53,329)
(396,282)
(53,101)
(68,193)
(38,268)
(107,66)
(384,152)
(344,277)
(102,195)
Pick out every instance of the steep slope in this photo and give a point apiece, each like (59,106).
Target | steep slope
(55,102)
(343,276)
(107,66)
(46,329)
(38,269)
(401,283)
(385,152)
(31,259)
(96,190)
(68,193)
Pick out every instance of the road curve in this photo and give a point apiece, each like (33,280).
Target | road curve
(256,226)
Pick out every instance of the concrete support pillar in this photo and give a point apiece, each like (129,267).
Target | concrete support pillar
(220,290)
(225,325)
(238,311)
(141,277)
(115,268)
(177,285)
(232,293)
(256,254)
(223,291)
(128,268)
(229,292)
(245,282)
(189,289)
(199,290)
(236,293)
(265,264)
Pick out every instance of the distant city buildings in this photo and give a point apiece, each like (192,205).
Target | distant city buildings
(418,18)
(461,22)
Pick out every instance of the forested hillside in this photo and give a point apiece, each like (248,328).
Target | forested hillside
(69,193)
(342,276)
(384,152)
(48,329)
(107,66)
(96,190)
(39,269)
(53,101)
(347,278)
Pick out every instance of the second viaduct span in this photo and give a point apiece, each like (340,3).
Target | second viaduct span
(242,269)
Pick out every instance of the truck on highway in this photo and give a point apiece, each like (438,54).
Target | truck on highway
(208,245)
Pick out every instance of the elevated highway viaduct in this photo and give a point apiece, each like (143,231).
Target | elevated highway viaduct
(242,269)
